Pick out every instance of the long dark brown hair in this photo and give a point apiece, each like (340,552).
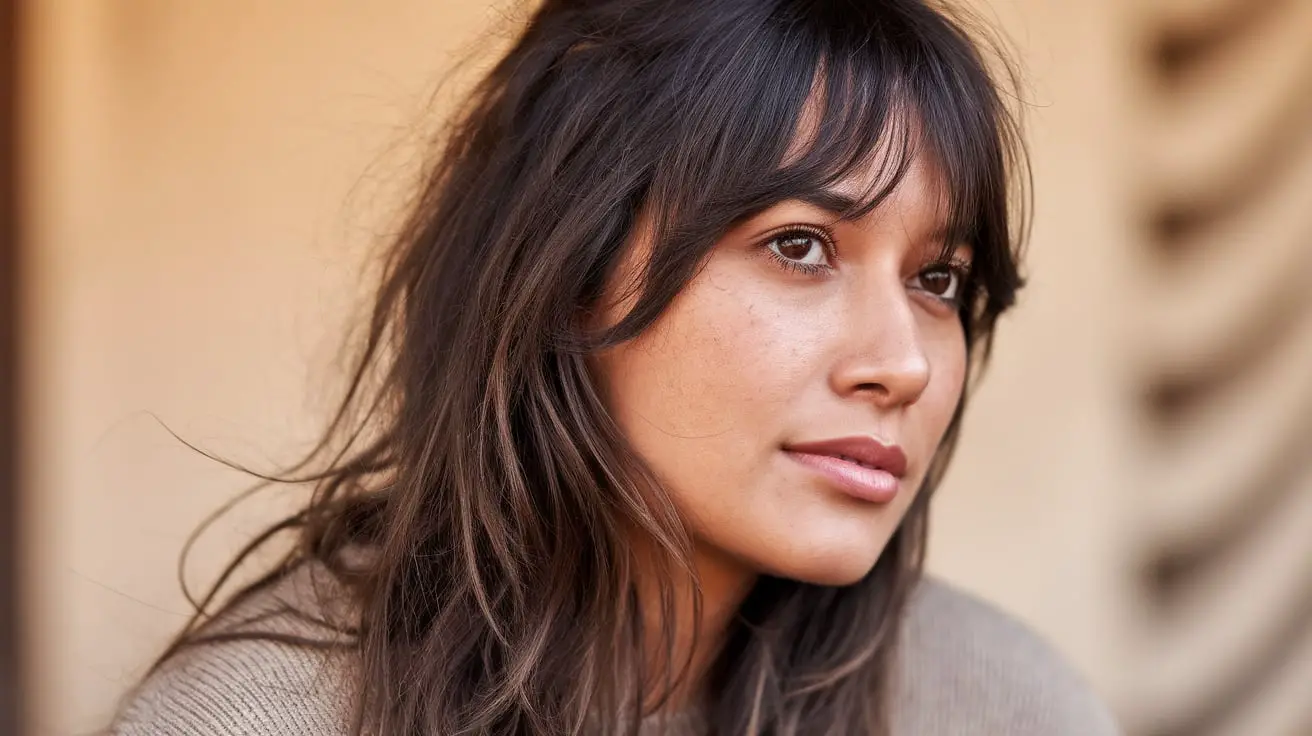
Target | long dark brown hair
(472,457)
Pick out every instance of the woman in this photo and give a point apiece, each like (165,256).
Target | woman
(661,377)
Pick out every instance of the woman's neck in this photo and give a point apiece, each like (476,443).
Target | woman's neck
(698,636)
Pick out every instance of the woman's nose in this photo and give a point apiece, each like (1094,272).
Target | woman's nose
(884,357)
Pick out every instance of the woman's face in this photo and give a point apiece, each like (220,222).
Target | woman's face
(793,394)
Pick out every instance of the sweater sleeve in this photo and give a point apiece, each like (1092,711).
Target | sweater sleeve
(253,687)
(968,668)
(253,683)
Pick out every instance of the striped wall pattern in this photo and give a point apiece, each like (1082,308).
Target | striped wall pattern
(1224,336)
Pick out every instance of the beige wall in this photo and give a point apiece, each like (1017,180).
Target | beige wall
(206,178)
(206,181)
(1222,297)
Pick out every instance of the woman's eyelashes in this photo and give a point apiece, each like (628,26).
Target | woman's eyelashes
(945,279)
(812,250)
(802,248)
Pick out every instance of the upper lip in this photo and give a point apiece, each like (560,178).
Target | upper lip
(864,450)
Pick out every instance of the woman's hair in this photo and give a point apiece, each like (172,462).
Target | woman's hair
(473,457)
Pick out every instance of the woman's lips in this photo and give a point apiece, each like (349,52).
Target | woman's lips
(861,467)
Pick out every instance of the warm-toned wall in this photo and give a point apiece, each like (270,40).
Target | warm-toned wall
(205,183)
(206,178)
(1222,342)
(11,321)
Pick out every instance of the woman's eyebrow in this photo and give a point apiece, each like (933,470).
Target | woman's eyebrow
(841,205)
(835,203)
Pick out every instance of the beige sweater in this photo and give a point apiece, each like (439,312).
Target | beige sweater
(966,669)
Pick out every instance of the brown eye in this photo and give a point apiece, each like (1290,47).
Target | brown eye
(939,282)
(943,282)
(801,248)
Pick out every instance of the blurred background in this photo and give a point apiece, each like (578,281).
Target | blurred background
(188,191)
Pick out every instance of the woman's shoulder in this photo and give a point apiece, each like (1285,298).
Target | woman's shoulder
(967,667)
(250,676)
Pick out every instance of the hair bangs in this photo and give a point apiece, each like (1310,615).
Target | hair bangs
(875,110)
(823,94)
(882,97)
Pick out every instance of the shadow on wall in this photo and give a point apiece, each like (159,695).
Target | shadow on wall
(11,690)
(1226,394)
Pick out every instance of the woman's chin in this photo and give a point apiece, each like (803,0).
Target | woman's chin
(832,565)
(835,576)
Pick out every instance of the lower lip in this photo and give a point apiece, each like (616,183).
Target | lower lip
(867,484)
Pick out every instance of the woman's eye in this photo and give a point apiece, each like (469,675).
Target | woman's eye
(942,282)
(800,249)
